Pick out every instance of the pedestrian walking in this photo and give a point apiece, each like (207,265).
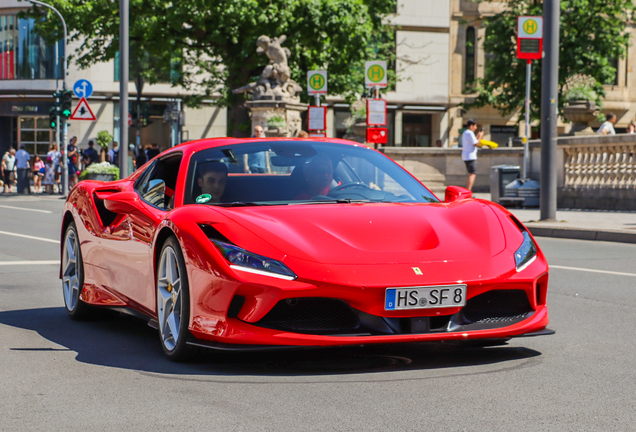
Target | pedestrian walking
(470,143)
(111,153)
(153,151)
(8,170)
(56,157)
(38,174)
(141,158)
(607,128)
(90,155)
(73,161)
(23,165)
(50,175)
(131,159)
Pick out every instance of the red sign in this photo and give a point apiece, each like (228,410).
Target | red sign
(376,112)
(377,135)
(83,111)
(529,37)
(317,118)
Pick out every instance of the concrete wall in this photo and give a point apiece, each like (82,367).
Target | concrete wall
(441,167)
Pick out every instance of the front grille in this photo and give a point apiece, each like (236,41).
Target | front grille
(313,315)
(497,306)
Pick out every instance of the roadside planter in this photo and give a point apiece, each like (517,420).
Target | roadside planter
(100,171)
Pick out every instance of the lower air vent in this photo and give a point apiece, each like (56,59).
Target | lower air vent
(497,306)
(311,315)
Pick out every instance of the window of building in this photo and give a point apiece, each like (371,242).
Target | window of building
(614,80)
(471,44)
(24,54)
(166,76)
(35,134)
(416,130)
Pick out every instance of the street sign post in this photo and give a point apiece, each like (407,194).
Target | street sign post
(83,88)
(83,111)
(377,135)
(376,112)
(529,47)
(317,84)
(375,74)
(317,118)
(317,135)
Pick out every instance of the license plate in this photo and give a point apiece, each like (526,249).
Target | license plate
(425,297)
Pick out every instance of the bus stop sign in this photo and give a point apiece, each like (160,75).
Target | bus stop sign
(529,37)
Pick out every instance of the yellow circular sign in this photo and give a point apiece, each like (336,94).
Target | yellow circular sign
(530,26)
(375,73)
(316,81)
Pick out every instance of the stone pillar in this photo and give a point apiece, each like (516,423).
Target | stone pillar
(398,128)
(263,111)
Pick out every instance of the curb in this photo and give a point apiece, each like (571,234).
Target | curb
(583,234)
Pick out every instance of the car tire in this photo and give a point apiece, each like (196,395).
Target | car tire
(73,275)
(173,302)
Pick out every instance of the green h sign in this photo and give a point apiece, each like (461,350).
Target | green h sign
(375,74)
(317,82)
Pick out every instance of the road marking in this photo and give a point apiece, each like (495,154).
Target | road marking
(30,237)
(26,209)
(8,263)
(594,271)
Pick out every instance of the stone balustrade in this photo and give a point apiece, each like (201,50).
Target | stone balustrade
(604,166)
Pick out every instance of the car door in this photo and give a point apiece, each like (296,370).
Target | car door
(131,261)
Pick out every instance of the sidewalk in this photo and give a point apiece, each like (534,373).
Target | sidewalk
(602,225)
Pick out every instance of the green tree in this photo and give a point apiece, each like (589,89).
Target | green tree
(215,41)
(592,34)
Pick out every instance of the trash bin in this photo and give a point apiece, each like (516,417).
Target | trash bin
(500,176)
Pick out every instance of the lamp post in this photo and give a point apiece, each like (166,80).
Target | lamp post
(123,88)
(65,129)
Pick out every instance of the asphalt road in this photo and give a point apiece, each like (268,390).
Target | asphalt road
(110,374)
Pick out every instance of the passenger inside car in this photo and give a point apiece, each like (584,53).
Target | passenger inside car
(212,178)
(318,176)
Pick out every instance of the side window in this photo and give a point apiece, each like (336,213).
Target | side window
(157,185)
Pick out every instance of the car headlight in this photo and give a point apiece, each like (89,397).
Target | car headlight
(242,260)
(526,253)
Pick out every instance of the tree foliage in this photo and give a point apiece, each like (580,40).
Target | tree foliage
(593,33)
(215,40)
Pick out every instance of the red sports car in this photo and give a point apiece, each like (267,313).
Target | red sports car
(251,243)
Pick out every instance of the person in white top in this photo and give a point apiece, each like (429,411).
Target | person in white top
(607,128)
(470,142)
(23,164)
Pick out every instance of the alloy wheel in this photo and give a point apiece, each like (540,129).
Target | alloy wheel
(169,298)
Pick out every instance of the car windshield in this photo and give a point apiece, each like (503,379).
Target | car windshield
(298,172)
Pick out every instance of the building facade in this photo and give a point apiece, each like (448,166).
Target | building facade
(439,49)
(30,73)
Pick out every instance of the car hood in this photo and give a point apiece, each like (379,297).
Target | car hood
(378,233)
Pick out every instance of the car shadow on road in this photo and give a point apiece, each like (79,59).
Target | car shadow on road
(121,341)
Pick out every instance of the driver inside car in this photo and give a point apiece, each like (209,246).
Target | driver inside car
(318,178)
(212,179)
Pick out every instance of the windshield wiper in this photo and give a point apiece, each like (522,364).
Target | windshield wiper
(336,201)
(237,204)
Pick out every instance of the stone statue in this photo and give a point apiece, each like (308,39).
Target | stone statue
(275,82)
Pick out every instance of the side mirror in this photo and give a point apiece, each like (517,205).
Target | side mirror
(122,202)
(456,193)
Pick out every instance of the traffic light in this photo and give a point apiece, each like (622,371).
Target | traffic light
(53,117)
(67,97)
(54,111)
